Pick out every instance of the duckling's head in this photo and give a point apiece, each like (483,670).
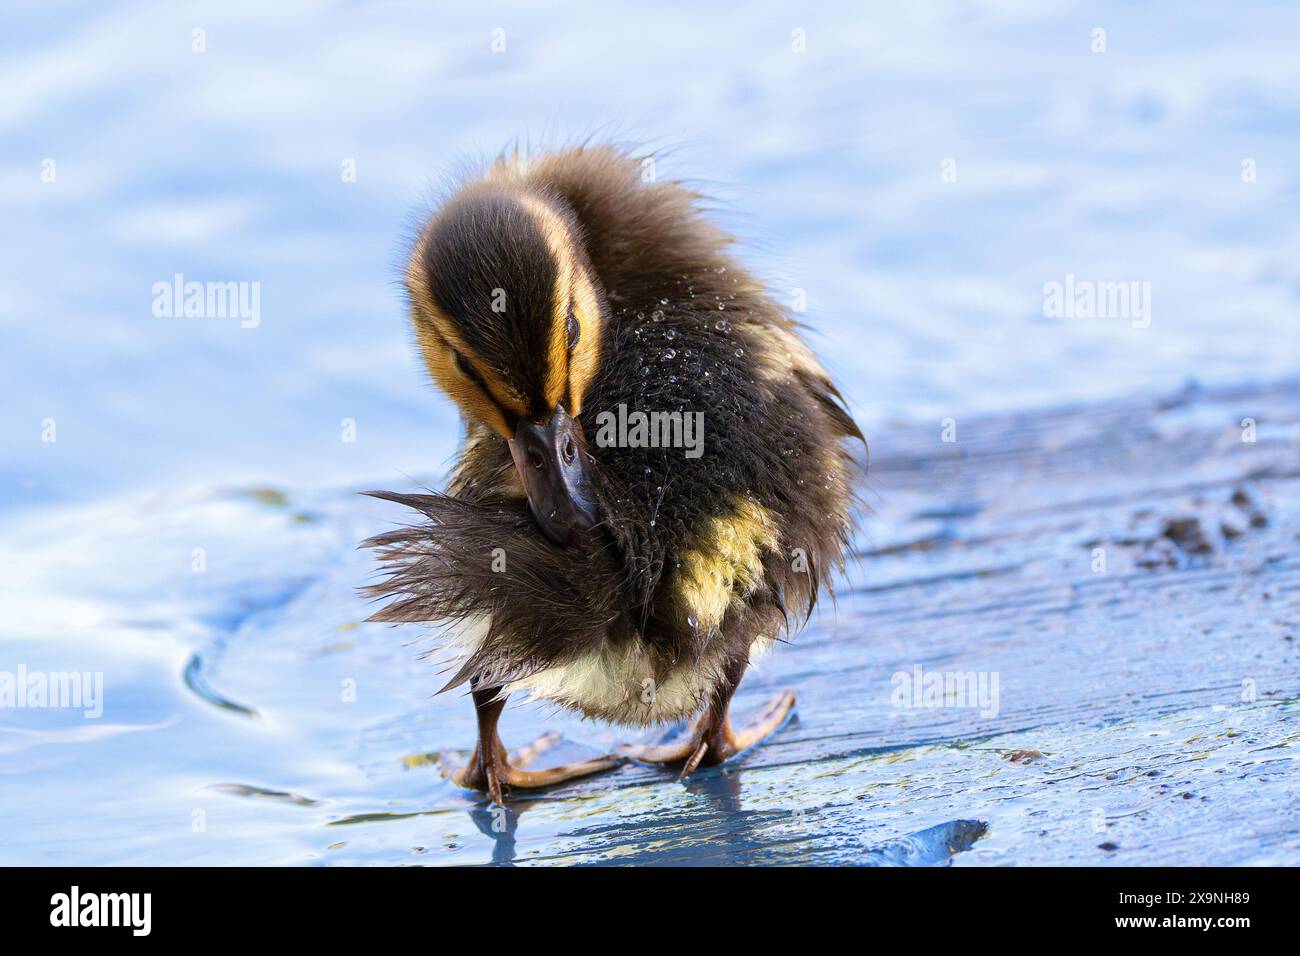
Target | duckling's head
(509,317)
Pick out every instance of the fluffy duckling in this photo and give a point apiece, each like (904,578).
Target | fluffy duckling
(657,474)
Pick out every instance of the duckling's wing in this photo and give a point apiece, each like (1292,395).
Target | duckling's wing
(474,563)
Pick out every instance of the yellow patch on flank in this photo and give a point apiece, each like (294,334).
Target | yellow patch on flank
(727,564)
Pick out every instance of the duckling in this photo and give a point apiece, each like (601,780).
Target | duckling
(580,554)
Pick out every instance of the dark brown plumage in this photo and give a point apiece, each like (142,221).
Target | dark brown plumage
(620,293)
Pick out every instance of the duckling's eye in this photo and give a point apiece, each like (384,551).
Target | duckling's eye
(574,330)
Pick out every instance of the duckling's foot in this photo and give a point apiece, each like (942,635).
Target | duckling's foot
(492,775)
(711,738)
(499,770)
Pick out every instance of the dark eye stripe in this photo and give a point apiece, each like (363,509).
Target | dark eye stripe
(464,368)
(467,370)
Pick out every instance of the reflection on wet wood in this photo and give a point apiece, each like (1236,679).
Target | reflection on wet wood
(1066,637)
(1110,597)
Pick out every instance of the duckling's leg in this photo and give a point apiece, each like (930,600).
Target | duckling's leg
(711,738)
(490,767)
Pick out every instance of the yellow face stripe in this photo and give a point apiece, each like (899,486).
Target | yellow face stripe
(557,362)
(499,391)
(486,396)
(436,337)
(556,234)
(585,358)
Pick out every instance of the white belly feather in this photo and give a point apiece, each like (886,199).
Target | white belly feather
(616,684)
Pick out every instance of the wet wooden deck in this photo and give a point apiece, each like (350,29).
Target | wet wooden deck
(1146,708)
(1127,573)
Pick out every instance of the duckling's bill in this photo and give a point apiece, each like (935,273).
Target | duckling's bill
(551,458)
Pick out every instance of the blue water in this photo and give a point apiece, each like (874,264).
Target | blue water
(834,165)
(926,295)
